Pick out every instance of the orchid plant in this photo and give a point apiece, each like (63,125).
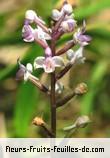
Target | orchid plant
(63,23)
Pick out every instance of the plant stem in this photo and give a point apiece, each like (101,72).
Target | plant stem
(66,48)
(52,96)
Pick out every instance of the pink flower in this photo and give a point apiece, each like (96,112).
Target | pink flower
(48,63)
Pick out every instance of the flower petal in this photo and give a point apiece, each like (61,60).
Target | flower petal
(79,53)
(27,33)
(38,62)
(70,54)
(29,67)
(59,62)
(26,76)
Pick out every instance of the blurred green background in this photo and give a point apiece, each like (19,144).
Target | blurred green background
(20,102)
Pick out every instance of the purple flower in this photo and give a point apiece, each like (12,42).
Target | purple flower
(29,35)
(25,72)
(80,37)
(48,63)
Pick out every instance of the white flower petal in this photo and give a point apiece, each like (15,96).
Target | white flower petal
(29,67)
(47,36)
(79,53)
(42,35)
(78,56)
(70,54)
(38,62)
(59,62)
(26,76)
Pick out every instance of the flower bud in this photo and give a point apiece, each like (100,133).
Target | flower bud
(82,121)
(30,15)
(81,88)
(38,121)
(56,14)
(48,52)
(69,25)
(59,87)
(70,54)
(67,8)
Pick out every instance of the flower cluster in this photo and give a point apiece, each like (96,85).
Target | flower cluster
(52,61)
(63,22)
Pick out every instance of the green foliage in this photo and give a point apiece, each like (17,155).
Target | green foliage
(91,9)
(26,104)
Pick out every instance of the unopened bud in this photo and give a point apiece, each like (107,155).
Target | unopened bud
(81,88)
(38,121)
(59,87)
(48,52)
(82,121)
(56,14)
(69,25)
(67,8)
(70,54)
(30,15)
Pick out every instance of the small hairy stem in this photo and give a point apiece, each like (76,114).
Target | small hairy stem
(66,48)
(67,98)
(79,90)
(64,71)
(42,26)
(48,131)
(52,95)
(59,34)
(37,121)
(59,23)
(39,85)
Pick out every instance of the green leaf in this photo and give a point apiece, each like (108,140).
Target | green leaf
(94,84)
(26,104)
(91,9)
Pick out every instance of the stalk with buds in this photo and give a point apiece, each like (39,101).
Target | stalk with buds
(63,23)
